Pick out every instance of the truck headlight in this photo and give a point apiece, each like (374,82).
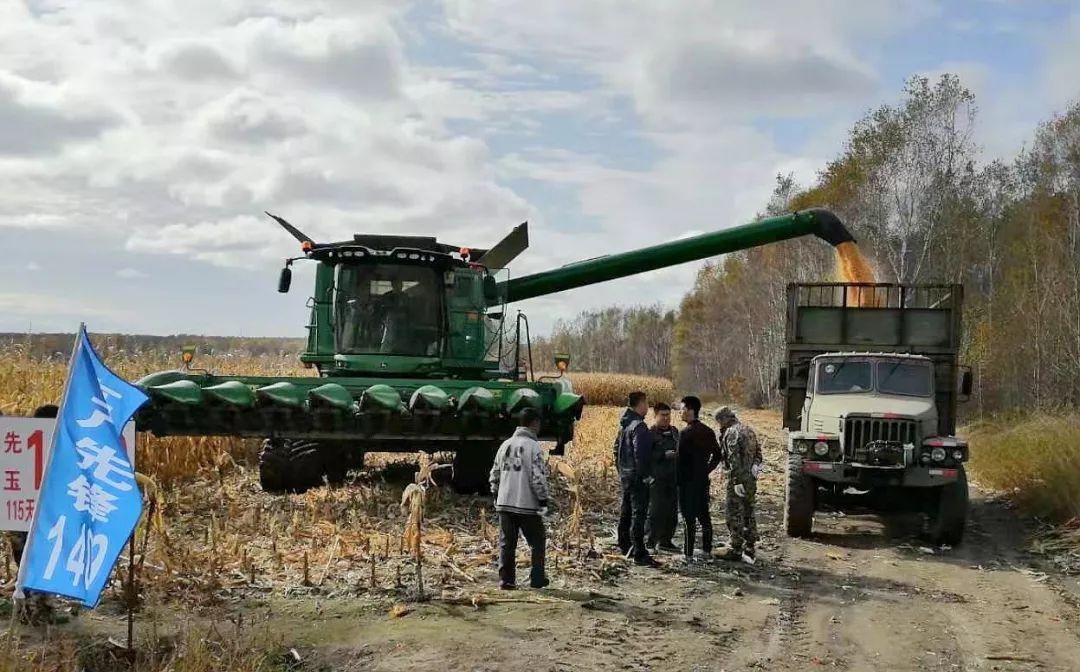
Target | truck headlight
(821,449)
(937,454)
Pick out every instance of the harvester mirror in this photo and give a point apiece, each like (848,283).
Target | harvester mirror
(187,355)
(284,280)
(562,362)
(966,383)
(491,290)
(495,316)
(781,379)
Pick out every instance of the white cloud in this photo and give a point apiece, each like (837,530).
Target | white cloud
(167,128)
(37,118)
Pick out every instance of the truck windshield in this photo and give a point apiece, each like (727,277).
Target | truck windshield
(392,309)
(904,378)
(845,377)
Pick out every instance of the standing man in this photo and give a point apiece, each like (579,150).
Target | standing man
(633,458)
(743,455)
(519,479)
(663,503)
(699,454)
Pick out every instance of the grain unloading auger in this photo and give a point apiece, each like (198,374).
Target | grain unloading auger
(413,351)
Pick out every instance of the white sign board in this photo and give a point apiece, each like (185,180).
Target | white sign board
(24,451)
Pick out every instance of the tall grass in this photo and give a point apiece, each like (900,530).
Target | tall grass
(1035,459)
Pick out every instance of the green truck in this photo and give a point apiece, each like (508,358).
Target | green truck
(872,382)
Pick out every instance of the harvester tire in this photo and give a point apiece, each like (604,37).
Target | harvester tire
(948,518)
(799,491)
(472,467)
(290,465)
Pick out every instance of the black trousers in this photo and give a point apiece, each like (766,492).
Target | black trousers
(532,527)
(694,502)
(663,513)
(632,515)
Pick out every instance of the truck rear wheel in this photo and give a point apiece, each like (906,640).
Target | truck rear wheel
(800,491)
(948,518)
(290,465)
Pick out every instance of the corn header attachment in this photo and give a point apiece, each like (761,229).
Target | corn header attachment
(411,349)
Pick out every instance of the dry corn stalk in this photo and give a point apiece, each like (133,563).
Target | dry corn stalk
(573,528)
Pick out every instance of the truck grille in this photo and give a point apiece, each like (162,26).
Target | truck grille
(860,432)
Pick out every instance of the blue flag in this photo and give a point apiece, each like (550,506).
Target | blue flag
(89,502)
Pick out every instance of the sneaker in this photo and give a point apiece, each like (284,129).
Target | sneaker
(543,583)
(748,556)
(731,554)
(670,548)
(647,561)
(507,586)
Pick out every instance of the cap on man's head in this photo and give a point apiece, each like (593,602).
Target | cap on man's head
(724,413)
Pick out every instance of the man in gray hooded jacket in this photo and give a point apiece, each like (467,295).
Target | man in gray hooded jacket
(519,479)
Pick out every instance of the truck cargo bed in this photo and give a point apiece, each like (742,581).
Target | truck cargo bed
(890,318)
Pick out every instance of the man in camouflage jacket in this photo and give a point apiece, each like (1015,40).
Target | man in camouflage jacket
(742,453)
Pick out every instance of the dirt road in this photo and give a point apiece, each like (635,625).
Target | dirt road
(862,594)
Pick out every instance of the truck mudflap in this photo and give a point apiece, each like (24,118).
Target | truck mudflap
(913,477)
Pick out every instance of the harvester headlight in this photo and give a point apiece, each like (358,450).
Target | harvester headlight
(937,454)
(802,446)
(924,458)
(821,449)
(958,455)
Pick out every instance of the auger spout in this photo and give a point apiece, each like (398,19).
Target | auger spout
(815,221)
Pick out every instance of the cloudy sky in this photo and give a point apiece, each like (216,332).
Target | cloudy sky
(141,141)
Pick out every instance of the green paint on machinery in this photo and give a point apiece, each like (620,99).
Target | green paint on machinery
(413,350)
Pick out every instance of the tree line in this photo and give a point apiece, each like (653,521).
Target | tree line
(909,184)
(58,345)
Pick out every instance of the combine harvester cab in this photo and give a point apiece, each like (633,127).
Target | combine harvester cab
(412,350)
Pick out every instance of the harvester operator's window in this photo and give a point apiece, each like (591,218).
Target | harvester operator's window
(904,378)
(845,377)
(388,309)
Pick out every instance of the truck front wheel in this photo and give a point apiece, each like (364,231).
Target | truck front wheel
(947,519)
(800,494)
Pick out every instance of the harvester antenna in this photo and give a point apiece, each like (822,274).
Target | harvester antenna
(295,232)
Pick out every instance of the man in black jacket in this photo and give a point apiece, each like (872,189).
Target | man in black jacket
(663,502)
(633,459)
(699,454)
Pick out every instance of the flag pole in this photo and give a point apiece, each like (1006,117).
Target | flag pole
(19,595)
(131,592)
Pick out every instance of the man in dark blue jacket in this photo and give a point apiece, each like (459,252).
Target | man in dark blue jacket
(633,459)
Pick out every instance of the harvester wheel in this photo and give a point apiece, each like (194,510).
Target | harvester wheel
(948,518)
(290,465)
(337,463)
(472,466)
(800,491)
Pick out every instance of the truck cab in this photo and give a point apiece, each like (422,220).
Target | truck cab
(872,385)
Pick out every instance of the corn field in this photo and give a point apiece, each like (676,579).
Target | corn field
(210,532)
(611,389)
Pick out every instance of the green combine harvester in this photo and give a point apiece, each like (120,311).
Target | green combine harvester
(414,351)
